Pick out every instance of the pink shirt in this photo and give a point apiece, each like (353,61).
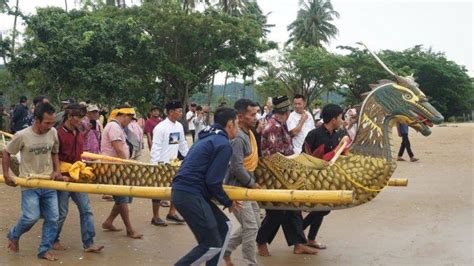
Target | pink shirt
(136,129)
(113,131)
(91,136)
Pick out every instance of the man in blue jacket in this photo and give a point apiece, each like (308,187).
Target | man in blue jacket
(198,181)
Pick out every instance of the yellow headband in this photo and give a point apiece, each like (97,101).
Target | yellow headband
(125,111)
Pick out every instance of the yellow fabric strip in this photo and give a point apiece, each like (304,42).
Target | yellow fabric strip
(115,112)
(251,161)
(77,170)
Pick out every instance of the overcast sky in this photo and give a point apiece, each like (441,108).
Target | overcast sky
(445,26)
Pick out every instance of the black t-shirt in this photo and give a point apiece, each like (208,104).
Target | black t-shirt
(320,141)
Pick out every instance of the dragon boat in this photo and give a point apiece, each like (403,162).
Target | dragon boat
(300,182)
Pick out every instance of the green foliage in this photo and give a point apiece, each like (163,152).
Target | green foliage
(310,71)
(270,84)
(446,84)
(195,46)
(359,69)
(313,25)
(142,54)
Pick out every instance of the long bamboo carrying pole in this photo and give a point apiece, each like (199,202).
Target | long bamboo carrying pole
(234,193)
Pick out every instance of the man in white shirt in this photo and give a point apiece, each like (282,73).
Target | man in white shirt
(168,140)
(299,123)
(189,119)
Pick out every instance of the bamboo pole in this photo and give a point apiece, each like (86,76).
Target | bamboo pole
(340,148)
(234,193)
(398,182)
(100,157)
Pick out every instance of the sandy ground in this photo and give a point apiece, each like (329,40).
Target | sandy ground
(430,222)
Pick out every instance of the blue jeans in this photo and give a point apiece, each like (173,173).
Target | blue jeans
(36,202)
(85,214)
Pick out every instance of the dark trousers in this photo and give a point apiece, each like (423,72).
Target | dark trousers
(193,133)
(210,227)
(314,221)
(291,221)
(405,145)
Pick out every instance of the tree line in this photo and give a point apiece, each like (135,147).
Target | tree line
(146,54)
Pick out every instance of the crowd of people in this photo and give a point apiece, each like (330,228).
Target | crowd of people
(49,141)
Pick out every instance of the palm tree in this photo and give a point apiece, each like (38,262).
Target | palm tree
(313,25)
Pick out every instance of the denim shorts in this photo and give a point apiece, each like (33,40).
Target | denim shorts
(122,199)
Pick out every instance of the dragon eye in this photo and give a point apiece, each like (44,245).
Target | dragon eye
(407,96)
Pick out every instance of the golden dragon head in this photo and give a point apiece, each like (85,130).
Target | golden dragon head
(405,103)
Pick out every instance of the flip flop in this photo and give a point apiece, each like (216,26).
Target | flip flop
(175,218)
(165,204)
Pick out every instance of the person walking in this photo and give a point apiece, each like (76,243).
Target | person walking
(405,145)
(199,180)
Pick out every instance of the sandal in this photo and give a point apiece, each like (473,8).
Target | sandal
(158,222)
(175,218)
(165,203)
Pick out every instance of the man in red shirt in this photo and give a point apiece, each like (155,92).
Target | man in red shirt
(151,123)
(71,143)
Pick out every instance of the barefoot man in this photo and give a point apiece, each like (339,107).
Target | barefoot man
(71,145)
(114,144)
(38,146)
(276,138)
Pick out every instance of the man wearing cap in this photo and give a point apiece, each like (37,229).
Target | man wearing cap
(168,140)
(92,129)
(114,144)
(276,138)
(151,123)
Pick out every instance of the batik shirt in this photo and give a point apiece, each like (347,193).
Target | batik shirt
(276,138)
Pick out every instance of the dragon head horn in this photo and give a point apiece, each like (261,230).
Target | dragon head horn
(378,59)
